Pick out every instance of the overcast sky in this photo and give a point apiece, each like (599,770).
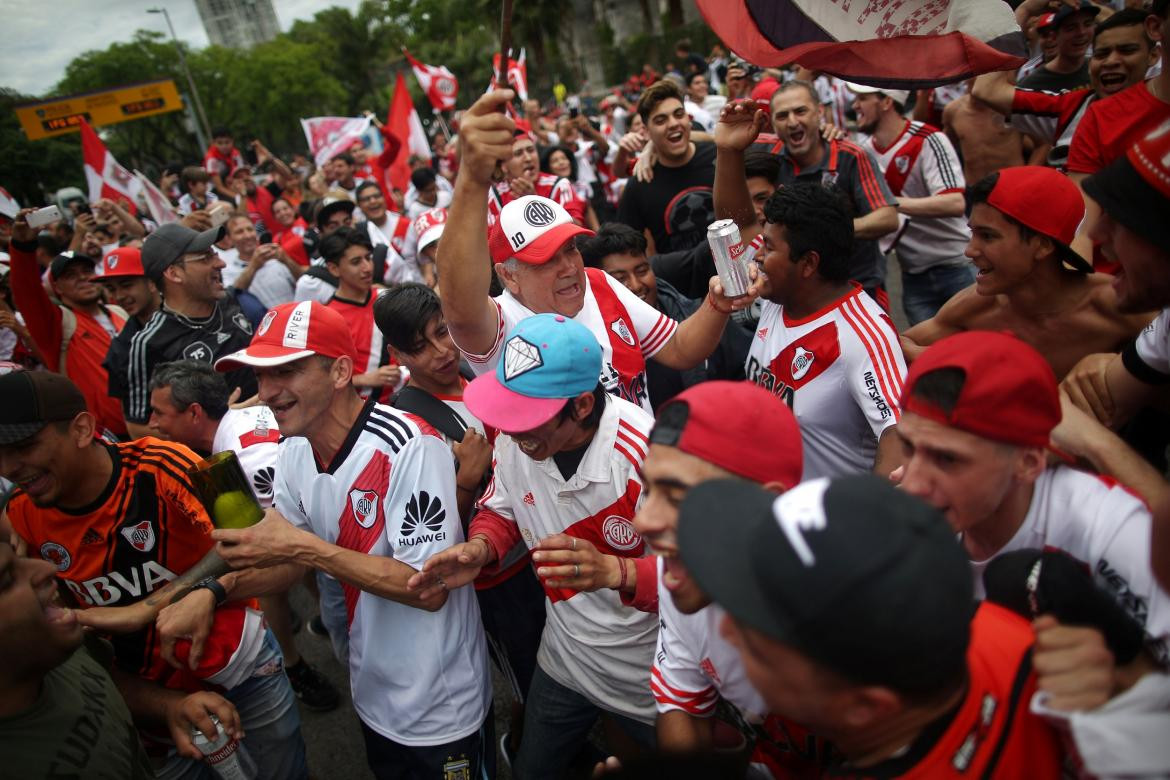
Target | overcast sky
(41,38)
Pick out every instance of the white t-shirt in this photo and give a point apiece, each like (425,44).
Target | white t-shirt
(694,665)
(233,265)
(840,370)
(419,678)
(1153,345)
(273,284)
(591,643)
(1106,528)
(402,238)
(311,288)
(919,163)
(640,324)
(251,433)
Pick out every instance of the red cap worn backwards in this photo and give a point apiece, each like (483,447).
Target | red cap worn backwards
(531,229)
(292,331)
(1009,393)
(1046,201)
(737,426)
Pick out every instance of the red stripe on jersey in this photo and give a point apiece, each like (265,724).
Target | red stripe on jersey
(610,530)
(636,446)
(363,520)
(637,434)
(678,693)
(698,703)
(633,459)
(883,362)
(424,427)
(258,436)
(658,335)
(866,175)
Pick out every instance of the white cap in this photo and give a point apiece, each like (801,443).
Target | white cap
(897,95)
(429,226)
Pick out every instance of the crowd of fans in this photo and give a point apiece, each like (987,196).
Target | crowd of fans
(510,418)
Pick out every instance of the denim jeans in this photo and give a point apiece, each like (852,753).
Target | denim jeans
(556,722)
(271,720)
(334,616)
(923,294)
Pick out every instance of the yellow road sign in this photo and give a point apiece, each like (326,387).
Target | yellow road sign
(48,118)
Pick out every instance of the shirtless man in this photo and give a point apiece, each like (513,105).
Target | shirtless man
(985,142)
(1019,244)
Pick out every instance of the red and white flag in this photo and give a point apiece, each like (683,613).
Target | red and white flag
(159,205)
(517,75)
(439,83)
(105,177)
(404,124)
(909,44)
(8,205)
(329,136)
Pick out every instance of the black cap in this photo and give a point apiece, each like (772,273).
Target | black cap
(32,399)
(67,258)
(1065,11)
(1127,197)
(857,575)
(165,246)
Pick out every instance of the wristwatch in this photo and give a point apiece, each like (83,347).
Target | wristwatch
(213,585)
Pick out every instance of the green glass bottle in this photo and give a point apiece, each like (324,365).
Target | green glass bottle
(223,488)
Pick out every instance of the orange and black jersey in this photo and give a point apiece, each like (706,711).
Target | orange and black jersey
(146,527)
(990,733)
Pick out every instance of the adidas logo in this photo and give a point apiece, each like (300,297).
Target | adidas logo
(423,510)
(91,537)
(762,334)
(528,499)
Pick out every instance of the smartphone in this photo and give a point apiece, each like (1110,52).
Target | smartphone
(266,237)
(574,112)
(42,217)
(83,208)
(219,215)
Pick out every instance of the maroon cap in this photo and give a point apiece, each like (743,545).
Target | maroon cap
(737,426)
(1009,393)
(1046,201)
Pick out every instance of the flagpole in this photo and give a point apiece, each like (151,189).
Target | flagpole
(442,123)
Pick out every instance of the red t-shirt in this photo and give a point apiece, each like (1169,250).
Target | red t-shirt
(1111,125)
(372,351)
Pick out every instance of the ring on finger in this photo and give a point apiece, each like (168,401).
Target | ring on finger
(576,570)
(574,543)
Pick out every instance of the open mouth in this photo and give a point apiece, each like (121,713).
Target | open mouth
(570,291)
(796,137)
(35,485)
(57,613)
(528,447)
(674,574)
(281,409)
(675,136)
(1112,82)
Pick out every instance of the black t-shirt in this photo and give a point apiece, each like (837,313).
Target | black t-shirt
(169,336)
(1048,81)
(677,206)
(118,359)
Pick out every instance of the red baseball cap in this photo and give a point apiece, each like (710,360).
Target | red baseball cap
(123,261)
(737,426)
(1044,21)
(292,331)
(1135,189)
(1009,393)
(531,229)
(1046,201)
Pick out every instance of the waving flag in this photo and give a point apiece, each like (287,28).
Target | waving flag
(906,45)
(404,124)
(105,177)
(8,205)
(439,83)
(329,136)
(517,75)
(159,205)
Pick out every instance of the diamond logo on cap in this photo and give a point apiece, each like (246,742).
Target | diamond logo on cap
(539,214)
(520,357)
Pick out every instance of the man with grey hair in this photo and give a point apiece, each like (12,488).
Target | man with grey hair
(536,259)
(189,403)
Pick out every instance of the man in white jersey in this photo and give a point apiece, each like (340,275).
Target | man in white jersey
(567,482)
(369,494)
(978,413)
(713,430)
(821,344)
(541,270)
(925,175)
(189,403)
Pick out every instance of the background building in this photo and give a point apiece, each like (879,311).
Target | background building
(238,23)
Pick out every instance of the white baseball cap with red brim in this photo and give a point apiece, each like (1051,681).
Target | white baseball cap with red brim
(292,331)
(532,229)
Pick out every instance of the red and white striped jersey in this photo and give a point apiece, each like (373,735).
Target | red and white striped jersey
(919,163)
(629,330)
(840,370)
(694,665)
(592,643)
(1106,528)
(419,678)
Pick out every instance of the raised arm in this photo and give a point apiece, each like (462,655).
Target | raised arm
(736,130)
(997,89)
(463,260)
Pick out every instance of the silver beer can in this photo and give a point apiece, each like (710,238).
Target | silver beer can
(226,756)
(728,249)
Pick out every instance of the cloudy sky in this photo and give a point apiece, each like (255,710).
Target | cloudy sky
(41,38)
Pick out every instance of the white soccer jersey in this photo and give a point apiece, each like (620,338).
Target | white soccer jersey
(419,678)
(1106,528)
(591,642)
(1153,348)
(629,330)
(694,665)
(251,433)
(919,163)
(840,370)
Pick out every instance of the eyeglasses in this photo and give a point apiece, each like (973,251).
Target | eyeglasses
(371,197)
(204,257)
